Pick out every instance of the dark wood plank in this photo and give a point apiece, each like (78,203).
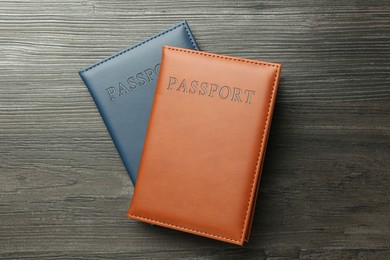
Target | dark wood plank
(325,187)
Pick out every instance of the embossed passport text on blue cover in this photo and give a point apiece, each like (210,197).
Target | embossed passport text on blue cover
(123,87)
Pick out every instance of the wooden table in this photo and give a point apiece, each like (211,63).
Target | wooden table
(325,190)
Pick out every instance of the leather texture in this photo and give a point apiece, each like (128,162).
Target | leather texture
(205,144)
(123,87)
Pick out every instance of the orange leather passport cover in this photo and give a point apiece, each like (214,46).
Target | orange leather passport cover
(205,144)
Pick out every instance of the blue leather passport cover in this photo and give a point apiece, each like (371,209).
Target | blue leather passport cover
(123,87)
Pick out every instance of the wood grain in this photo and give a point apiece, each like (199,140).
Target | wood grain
(325,187)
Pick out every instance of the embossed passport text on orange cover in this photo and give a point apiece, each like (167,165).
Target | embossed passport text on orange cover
(205,144)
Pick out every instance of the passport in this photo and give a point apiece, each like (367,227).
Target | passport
(205,144)
(123,87)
